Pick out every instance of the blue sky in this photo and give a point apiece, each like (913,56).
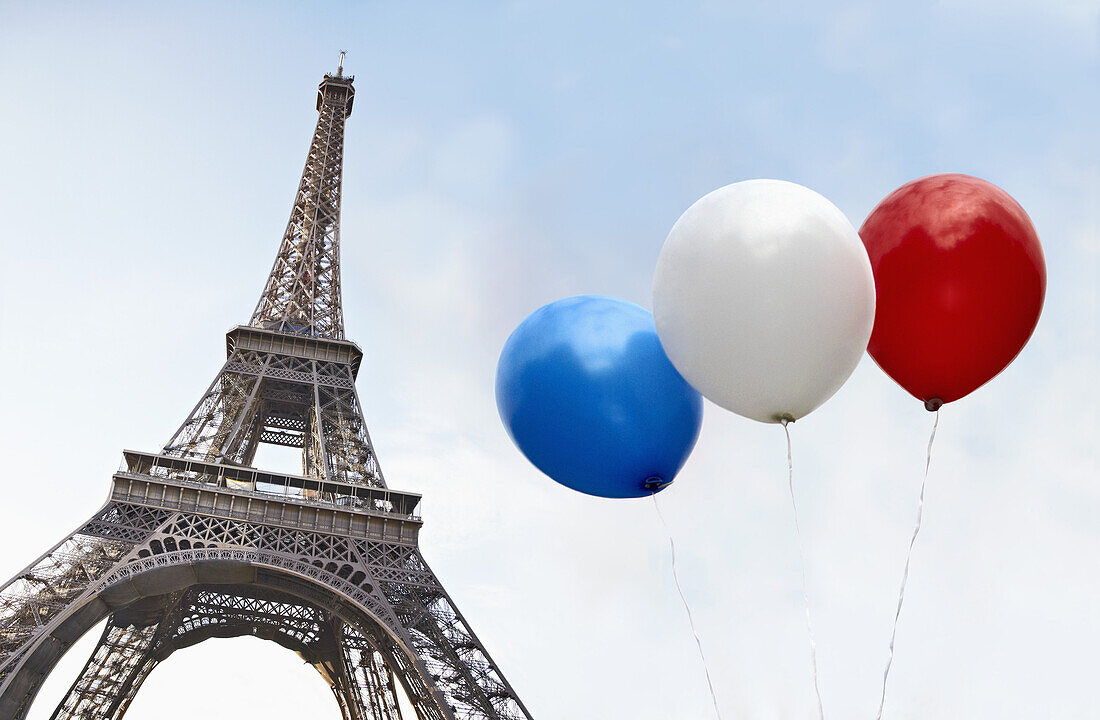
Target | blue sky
(502,156)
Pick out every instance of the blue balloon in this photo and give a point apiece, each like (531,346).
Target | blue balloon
(587,393)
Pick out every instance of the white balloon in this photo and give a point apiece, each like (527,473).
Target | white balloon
(764,298)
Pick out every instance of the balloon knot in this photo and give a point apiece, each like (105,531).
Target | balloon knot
(933,405)
(784,419)
(655,484)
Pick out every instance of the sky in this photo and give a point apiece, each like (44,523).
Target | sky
(502,156)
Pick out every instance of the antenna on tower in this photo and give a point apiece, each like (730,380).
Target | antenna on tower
(340,69)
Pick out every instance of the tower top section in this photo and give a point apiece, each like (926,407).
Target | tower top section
(302,293)
(336,89)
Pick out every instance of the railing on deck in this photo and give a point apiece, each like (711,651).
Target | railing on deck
(298,489)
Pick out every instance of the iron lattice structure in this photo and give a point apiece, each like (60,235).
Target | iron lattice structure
(195,543)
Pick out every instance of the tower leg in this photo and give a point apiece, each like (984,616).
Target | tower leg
(372,680)
(43,606)
(439,635)
(112,675)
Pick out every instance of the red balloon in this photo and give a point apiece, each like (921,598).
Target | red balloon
(960,280)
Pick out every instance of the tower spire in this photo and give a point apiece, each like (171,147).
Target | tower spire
(302,293)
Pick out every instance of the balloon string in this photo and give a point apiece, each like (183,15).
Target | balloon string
(905,572)
(802,568)
(687,608)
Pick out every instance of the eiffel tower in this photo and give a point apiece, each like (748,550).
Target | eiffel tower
(194,542)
